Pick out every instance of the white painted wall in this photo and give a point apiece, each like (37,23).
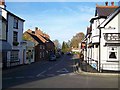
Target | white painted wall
(95,30)
(104,49)
(4,13)
(10,35)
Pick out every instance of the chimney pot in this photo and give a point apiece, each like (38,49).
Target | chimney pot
(36,28)
(112,3)
(106,3)
(2,2)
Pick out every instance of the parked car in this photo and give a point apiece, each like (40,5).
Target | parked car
(58,55)
(69,53)
(62,53)
(52,57)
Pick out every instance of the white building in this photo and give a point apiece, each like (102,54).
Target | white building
(110,42)
(97,50)
(14,29)
(29,50)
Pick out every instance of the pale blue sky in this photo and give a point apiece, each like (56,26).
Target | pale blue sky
(61,20)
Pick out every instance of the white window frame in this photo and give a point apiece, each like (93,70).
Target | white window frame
(14,56)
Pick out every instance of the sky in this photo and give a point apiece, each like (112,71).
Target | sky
(61,20)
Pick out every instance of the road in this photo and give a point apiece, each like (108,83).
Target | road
(54,74)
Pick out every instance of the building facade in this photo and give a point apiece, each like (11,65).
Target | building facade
(97,51)
(14,30)
(44,47)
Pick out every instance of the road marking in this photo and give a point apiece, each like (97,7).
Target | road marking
(7,78)
(63,70)
(62,74)
(50,75)
(71,74)
(40,74)
(50,68)
(19,77)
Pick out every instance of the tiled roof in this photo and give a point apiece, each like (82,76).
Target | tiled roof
(105,10)
(47,39)
(41,38)
(39,35)
(35,37)
(117,11)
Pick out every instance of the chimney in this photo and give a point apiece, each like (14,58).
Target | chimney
(36,28)
(2,4)
(106,3)
(112,3)
(29,31)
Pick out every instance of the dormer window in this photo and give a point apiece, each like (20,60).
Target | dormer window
(15,24)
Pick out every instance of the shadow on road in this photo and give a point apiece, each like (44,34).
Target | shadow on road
(33,72)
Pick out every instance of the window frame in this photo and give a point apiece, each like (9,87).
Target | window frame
(15,23)
(14,55)
(15,38)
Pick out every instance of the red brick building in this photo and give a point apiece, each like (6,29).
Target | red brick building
(43,45)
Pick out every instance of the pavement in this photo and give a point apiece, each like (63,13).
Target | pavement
(88,70)
(85,69)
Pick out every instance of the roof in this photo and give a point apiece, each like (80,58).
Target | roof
(2,18)
(41,38)
(35,38)
(47,39)
(13,14)
(110,18)
(105,10)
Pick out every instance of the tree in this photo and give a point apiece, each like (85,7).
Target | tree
(57,45)
(65,47)
(77,39)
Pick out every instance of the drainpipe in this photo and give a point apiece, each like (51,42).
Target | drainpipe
(99,67)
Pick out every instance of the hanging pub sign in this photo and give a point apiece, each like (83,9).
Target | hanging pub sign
(82,45)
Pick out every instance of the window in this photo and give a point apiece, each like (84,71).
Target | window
(40,46)
(43,54)
(14,56)
(40,55)
(15,35)
(3,31)
(15,24)
(96,46)
(112,53)
(43,47)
